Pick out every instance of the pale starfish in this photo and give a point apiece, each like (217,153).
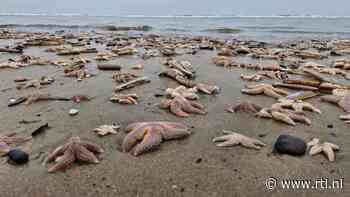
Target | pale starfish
(342,64)
(346,118)
(105,56)
(296,105)
(7,140)
(120,77)
(80,74)
(35,83)
(284,115)
(327,148)
(14,65)
(75,149)
(342,101)
(125,98)
(223,61)
(254,77)
(188,93)
(151,134)
(107,129)
(181,107)
(266,89)
(232,139)
(207,89)
(245,106)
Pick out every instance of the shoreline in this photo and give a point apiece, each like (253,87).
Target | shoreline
(190,167)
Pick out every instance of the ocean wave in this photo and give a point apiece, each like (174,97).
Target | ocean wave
(309,32)
(56,26)
(223,30)
(266,27)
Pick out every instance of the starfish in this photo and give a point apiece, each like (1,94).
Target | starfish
(346,118)
(266,89)
(255,77)
(35,83)
(245,106)
(124,98)
(107,129)
(151,134)
(80,74)
(207,89)
(120,77)
(232,139)
(287,116)
(296,105)
(185,67)
(327,148)
(14,65)
(7,140)
(75,149)
(342,101)
(223,61)
(105,56)
(342,64)
(181,107)
(138,66)
(188,93)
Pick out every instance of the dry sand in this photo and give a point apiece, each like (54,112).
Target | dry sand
(189,167)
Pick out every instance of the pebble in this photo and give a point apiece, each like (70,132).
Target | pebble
(73,112)
(291,145)
(17,156)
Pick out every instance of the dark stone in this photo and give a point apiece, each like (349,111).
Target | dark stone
(18,156)
(198,160)
(330,126)
(286,144)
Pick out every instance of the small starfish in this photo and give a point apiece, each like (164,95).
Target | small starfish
(296,105)
(327,148)
(105,56)
(233,139)
(223,61)
(125,98)
(120,77)
(266,89)
(7,140)
(75,149)
(346,118)
(188,93)
(80,74)
(287,116)
(254,77)
(245,106)
(151,134)
(207,89)
(182,107)
(342,101)
(107,129)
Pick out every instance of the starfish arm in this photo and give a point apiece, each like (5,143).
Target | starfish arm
(132,126)
(283,117)
(316,149)
(255,86)
(249,143)
(133,137)
(263,113)
(308,106)
(253,91)
(64,161)
(229,142)
(192,109)
(280,91)
(272,93)
(328,151)
(174,131)
(222,138)
(151,140)
(92,147)
(57,152)
(176,108)
(333,146)
(83,154)
(300,118)
(331,99)
(197,105)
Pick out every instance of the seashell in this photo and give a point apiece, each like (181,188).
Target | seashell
(73,112)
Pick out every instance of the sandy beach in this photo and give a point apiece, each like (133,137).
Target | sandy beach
(190,167)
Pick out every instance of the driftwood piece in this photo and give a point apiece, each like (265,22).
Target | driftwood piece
(109,67)
(131,84)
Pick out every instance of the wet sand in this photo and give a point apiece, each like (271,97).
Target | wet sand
(190,167)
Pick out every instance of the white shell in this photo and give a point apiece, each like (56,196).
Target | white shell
(73,112)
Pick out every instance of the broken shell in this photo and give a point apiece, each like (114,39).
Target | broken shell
(73,112)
